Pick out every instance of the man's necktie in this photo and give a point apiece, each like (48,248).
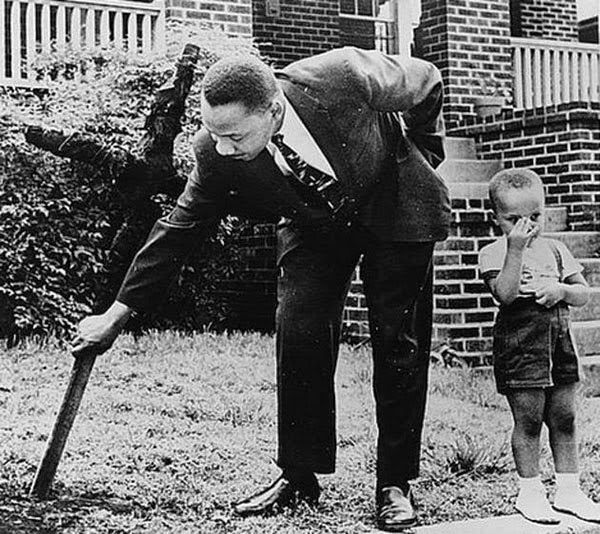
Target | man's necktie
(324,185)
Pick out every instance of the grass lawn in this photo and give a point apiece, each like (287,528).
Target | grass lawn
(173,428)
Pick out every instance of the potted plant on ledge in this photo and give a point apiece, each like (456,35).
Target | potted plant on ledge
(491,96)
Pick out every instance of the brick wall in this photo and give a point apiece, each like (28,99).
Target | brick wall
(561,143)
(463,308)
(469,40)
(252,298)
(548,19)
(234,17)
(357,32)
(287,30)
(463,311)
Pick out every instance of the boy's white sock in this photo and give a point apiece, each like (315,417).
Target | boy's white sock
(571,499)
(531,484)
(567,481)
(532,502)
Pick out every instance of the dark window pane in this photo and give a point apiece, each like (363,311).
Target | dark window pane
(347,6)
(365,7)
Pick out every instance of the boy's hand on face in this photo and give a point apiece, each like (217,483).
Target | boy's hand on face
(549,293)
(523,232)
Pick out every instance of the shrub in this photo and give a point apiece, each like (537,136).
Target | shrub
(57,217)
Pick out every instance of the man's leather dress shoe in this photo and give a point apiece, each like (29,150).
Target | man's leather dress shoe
(281,494)
(395,511)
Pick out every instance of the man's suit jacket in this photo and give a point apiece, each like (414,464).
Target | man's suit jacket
(376,118)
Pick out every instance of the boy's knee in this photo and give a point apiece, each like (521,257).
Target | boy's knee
(530,425)
(563,422)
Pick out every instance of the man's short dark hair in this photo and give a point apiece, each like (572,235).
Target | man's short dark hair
(513,179)
(243,79)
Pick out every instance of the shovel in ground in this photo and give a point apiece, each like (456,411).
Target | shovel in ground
(80,374)
(137,179)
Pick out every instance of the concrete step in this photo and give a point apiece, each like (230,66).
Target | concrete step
(469,170)
(591,311)
(587,337)
(468,190)
(581,244)
(510,524)
(586,333)
(556,219)
(590,376)
(579,314)
(460,148)
(591,270)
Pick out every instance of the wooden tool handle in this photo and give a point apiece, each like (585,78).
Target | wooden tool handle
(80,373)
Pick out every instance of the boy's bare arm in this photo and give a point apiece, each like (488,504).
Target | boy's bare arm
(506,285)
(574,291)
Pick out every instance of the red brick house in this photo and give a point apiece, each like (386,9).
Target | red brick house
(527,52)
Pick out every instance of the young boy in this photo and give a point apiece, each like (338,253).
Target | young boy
(535,280)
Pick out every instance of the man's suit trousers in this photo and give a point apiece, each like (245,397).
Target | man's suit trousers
(313,280)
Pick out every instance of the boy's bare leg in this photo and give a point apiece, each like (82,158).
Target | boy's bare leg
(560,418)
(528,407)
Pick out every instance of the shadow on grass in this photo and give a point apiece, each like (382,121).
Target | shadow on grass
(20,514)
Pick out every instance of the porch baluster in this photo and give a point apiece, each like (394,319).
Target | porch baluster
(30,39)
(75,25)
(104,28)
(132,32)
(61,27)
(90,28)
(546,91)
(15,42)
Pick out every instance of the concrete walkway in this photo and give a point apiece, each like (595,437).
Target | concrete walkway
(509,524)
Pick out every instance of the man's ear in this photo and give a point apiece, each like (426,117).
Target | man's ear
(494,218)
(277,109)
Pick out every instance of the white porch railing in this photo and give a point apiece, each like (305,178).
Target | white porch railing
(554,72)
(31,26)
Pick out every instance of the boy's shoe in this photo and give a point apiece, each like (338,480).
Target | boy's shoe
(534,506)
(578,504)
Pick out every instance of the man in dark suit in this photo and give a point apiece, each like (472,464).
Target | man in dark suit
(342,146)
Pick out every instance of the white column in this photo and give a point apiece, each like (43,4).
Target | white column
(518,77)
(75,25)
(90,28)
(15,42)
(30,40)
(61,26)
(119,29)
(104,28)
(408,13)
(132,32)
(146,33)
(160,43)
(2,49)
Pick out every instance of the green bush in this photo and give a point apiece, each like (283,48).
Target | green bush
(58,217)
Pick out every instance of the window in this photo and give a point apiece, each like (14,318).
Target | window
(370,24)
